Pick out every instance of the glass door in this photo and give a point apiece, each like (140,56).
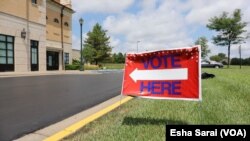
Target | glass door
(52,60)
(34,55)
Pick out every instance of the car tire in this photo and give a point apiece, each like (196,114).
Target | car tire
(216,67)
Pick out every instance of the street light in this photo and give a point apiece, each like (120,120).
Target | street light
(137,45)
(81,22)
(23,34)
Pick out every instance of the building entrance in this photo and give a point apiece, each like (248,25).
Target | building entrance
(52,60)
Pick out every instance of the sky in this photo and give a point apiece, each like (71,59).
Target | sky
(156,24)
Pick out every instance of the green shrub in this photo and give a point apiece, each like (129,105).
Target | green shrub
(76,62)
(72,67)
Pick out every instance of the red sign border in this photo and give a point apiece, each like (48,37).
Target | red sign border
(168,98)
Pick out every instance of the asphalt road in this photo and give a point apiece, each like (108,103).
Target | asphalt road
(31,103)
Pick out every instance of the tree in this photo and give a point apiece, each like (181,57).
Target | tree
(246,61)
(215,58)
(118,58)
(202,41)
(114,58)
(235,61)
(229,29)
(222,55)
(218,58)
(88,53)
(96,46)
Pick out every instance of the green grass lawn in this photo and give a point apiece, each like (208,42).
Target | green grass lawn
(113,66)
(104,66)
(226,100)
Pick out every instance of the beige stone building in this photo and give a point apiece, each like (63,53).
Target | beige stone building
(76,54)
(35,35)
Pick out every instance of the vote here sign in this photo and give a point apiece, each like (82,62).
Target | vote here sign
(164,74)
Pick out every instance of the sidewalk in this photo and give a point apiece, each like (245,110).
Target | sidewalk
(41,73)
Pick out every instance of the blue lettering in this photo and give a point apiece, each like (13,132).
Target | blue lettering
(156,86)
(145,62)
(157,59)
(175,87)
(166,86)
(161,87)
(165,58)
(155,62)
(175,61)
(145,87)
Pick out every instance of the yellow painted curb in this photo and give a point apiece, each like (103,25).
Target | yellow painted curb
(73,128)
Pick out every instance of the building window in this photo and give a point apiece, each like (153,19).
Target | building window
(66,58)
(34,52)
(34,1)
(6,53)
(56,20)
(66,24)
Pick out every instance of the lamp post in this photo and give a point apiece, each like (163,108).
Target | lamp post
(137,45)
(81,22)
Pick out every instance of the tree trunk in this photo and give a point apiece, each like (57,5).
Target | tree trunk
(96,62)
(228,58)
